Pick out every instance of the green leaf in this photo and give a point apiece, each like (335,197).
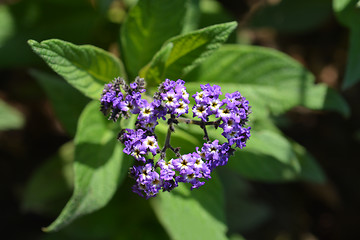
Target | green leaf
(157,68)
(7,24)
(192,16)
(310,169)
(197,214)
(10,117)
(68,108)
(288,15)
(99,166)
(270,80)
(186,140)
(87,68)
(116,221)
(268,156)
(148,25)
(50,186)
(352,74)
(348,13)
(189,50)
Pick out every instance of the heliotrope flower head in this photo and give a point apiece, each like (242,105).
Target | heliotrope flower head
(152,172)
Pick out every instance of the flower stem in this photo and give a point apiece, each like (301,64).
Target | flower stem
(171,128)
(167,144)
(206,136)
(197,122)
(201,123)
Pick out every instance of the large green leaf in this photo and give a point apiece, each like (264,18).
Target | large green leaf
(348,13)
(99,166)
(187,52)
(157,67)
(10,117)
(268,156)
(68,108)
(148,25)
(270,80)
(115,221)
(197,214)
(87,68)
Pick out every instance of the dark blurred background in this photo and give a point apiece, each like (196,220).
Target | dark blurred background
(306,30)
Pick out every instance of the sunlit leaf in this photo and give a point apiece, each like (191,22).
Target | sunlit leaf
(270,80)
(99,166)
(87,68)
(268,157)
(197,214)
(188,51)
(148,25)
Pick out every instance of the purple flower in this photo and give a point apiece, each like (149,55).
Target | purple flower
(138,151)
(169,103)
(232,99)
(199,97)
(201,111)
(147,180)
(211,91)
(167,169)
(170,99)
(184,164)
(133,85)
(168,84)
(182,108)
(150,144)
(224,113)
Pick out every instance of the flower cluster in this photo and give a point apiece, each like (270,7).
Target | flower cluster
(121,103)
(138,143)
(153,172)
(174,97)
(234,116)
(207,102)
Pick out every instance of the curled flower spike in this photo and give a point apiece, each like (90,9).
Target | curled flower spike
(152,172)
